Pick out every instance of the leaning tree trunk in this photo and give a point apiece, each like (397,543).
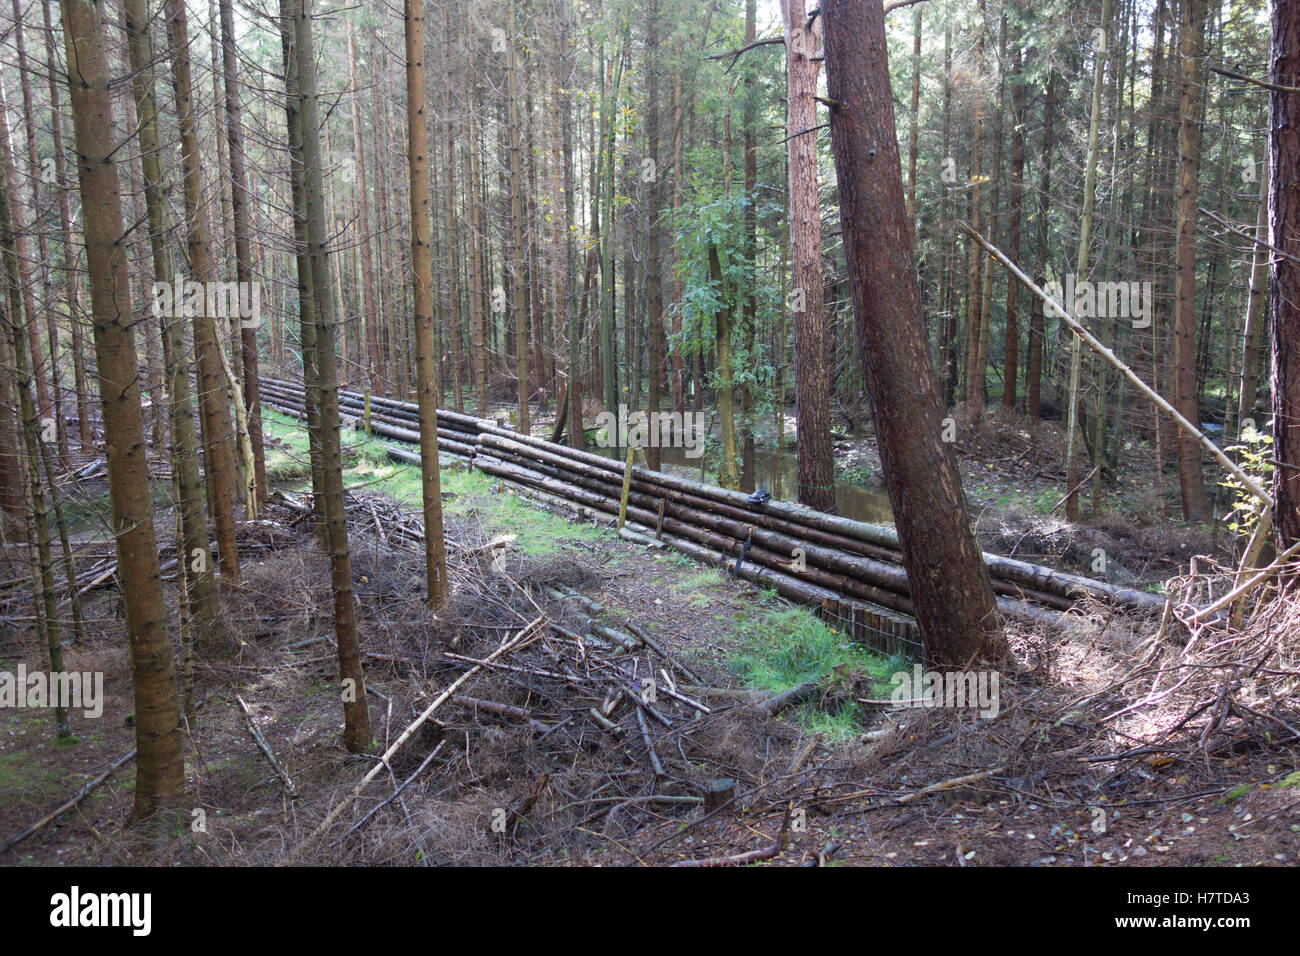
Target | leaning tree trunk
(160,768)
(950,584)
(28,282)
(13,501)
(1284,234)
(42,242)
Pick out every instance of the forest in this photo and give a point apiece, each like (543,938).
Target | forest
(655,433)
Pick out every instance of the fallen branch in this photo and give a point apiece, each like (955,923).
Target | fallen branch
(415,725)
(1238,591)
(80,795)
(263,746)
(787,699)
(946,785)
(392,796)
(1262,84)
(753,856)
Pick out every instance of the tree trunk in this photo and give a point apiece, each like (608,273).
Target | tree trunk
(1011,350)
(43,246)
(950,584)
(28,283)
(950,331)
(1037,324)
(815,465)
(218,433)
(243,261)
(43,589)
(71,280)
(654,265)
(1191,474)
(1284,297)
(679,172)
(476,309)
(916,117)
(200,582)
(749,309)
(435,551)
(605,183)
(518,305)
(452,255)
(727,476)
(1081,270)
(356,732)
(1256,301)
(370,313)
(974,298)
(160,769)
(12,497)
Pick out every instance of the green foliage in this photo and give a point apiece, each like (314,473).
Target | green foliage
(783,649)
(1254,454)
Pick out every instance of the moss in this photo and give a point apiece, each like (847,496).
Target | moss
(25,780)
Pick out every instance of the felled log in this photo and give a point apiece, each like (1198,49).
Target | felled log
(859,551)
(787,699)
(888,588)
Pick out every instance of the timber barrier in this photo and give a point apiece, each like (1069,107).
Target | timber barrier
(851,571)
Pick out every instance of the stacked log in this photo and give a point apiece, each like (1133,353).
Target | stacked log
(399,421)
(850,569)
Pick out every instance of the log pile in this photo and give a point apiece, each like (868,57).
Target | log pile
(851,570)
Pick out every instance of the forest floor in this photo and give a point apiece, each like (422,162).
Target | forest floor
(1112,744)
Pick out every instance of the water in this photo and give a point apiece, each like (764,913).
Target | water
(851,501)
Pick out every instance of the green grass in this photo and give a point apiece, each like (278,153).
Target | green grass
(783,649)
(24,780)
(465,491)
(693,586)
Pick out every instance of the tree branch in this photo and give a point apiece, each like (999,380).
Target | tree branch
(1095,344)
(1264,84)
(736,53)
(1245,235)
